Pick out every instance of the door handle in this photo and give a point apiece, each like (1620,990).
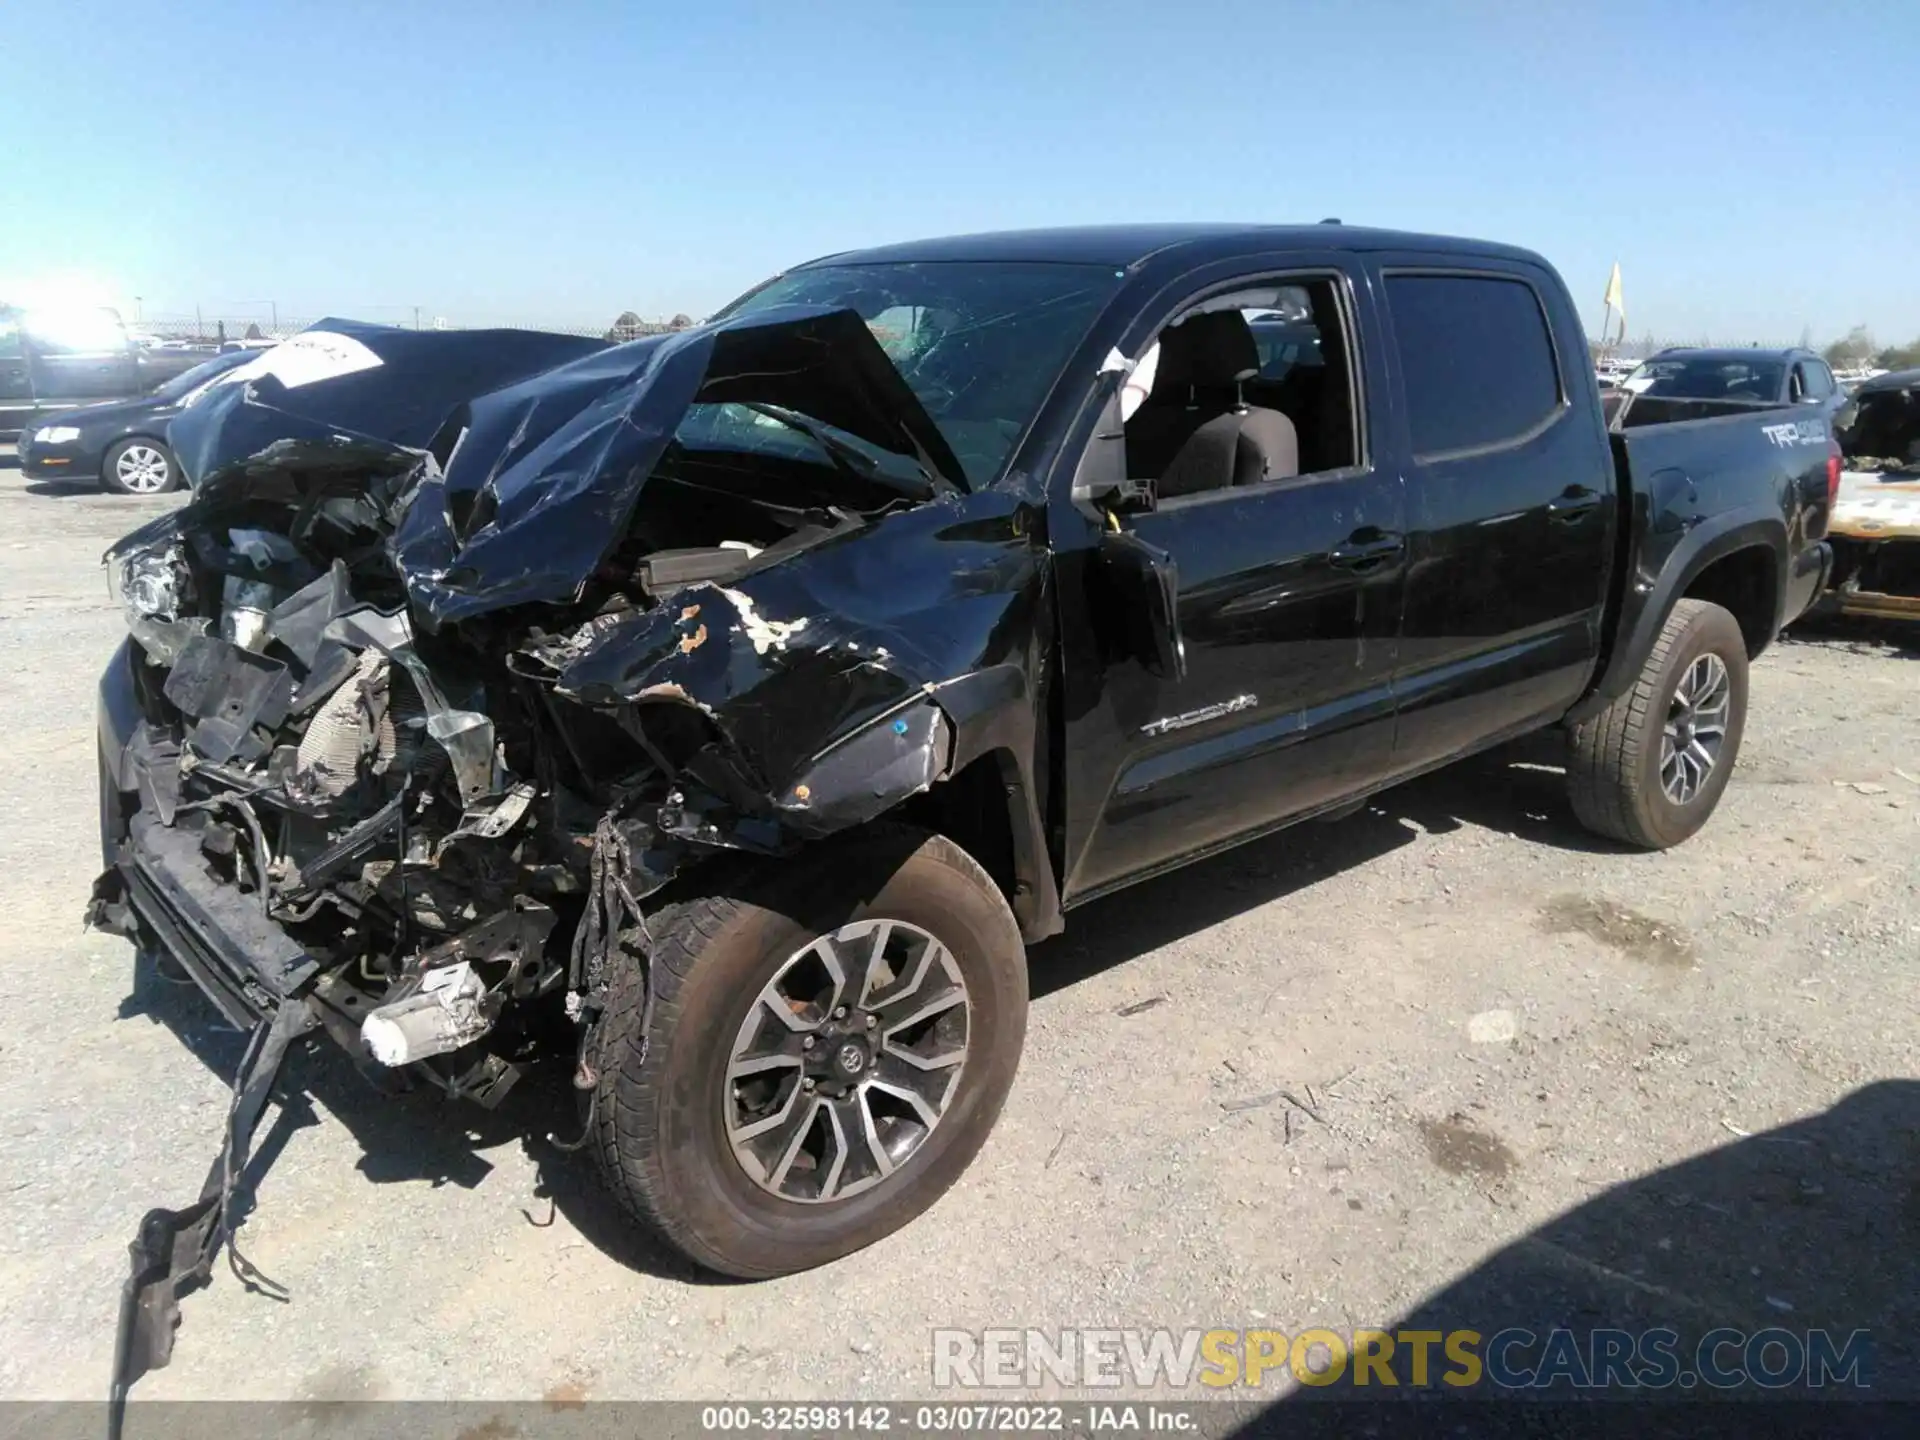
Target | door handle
(1366,547)
(1572,503)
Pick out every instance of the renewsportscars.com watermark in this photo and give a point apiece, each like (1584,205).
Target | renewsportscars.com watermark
(1376,1360)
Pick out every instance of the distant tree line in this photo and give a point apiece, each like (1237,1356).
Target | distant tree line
(1856,350)
(1859,348)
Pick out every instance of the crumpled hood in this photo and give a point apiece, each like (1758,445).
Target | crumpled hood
(541,443)
(347,399)
(546,476)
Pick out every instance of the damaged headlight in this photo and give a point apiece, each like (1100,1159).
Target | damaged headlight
(155,588)
(152,584)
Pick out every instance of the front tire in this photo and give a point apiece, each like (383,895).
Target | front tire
(140,465)
(831,1039)
(1650,768)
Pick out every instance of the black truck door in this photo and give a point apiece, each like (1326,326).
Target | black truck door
(1510,500)
(16,378)
(1287,600)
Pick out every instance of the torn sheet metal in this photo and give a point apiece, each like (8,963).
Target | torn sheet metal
(232,692)
(1875,532)
(547,440)
(549,471)
(266,438)
(789,662)
(465,734)
(174,1250)
(1877,505)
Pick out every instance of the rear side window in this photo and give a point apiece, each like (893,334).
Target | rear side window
(1477,358)
(1819,380)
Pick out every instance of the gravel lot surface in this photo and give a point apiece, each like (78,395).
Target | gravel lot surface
(1450,1059)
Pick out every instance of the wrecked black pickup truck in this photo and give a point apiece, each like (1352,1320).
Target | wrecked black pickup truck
(736,704)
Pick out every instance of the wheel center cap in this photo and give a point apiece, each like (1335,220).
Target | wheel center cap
(851,1058)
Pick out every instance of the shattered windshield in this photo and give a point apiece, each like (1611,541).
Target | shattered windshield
(979,342)
(737,427)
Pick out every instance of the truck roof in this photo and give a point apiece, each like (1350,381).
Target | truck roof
(1730,352)
(1125,246)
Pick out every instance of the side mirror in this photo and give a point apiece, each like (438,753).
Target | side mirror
(1145,583)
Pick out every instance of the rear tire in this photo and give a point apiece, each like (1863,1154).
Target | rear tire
(1650,768)
(668,1107)
(139,465)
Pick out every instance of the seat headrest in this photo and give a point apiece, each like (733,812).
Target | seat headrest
(1212,348)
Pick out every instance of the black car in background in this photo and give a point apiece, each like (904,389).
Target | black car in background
(123,445)
(1691,384)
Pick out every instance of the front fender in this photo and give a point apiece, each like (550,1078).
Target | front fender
(992,714)
(982,715)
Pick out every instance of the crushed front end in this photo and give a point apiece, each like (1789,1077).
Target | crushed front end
(413,718)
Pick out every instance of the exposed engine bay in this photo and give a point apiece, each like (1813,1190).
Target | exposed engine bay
(418,716)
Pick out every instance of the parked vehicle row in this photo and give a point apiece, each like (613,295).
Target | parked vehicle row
(54,361)
(1692,383)
(742,701)
(122,445)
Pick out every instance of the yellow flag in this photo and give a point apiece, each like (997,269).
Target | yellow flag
(1614,300)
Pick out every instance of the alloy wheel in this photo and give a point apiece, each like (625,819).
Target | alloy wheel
(847,1061)
(1696,728)
(142,469)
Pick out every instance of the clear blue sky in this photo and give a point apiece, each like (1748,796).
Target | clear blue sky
(1749,163)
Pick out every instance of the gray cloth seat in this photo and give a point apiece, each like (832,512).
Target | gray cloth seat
(1193,433)
(1241,447)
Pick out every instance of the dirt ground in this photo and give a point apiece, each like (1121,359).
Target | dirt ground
(1450,1059)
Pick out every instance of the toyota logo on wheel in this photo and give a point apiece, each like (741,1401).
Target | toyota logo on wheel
(851,1058)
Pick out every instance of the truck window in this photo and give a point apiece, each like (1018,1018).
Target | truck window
(9,338)
(1819,380)
(1477,360)
(1248,387)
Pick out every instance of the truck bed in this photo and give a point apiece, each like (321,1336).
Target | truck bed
(1749,475)
(1641,411)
